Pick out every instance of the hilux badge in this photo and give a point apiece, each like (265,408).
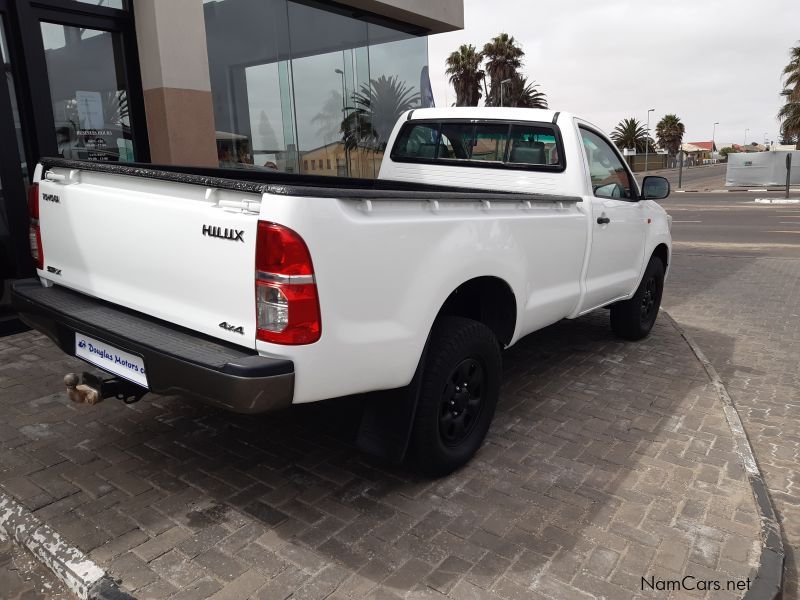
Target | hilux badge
(234,235)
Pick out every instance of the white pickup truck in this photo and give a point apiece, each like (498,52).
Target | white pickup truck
(256,290)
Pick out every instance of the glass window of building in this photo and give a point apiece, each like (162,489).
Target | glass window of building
(5,65)
(89,93)
(300,86)
(106,3)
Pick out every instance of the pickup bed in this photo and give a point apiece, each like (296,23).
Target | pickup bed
(255,290)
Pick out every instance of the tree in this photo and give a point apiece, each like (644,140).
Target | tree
(787,139)
(523,94)
(669,132)
(376,107)
(791,73)
(630,133)
(268,141)
(789,114)
(726,151)
(464,69)
(329,119)
(503,61)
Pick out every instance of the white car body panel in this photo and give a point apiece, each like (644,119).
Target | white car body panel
(138,243)
(383,268)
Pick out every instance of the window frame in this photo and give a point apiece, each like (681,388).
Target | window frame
(636,196)
(560,167)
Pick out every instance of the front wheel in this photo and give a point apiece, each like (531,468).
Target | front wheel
(459,388)
(633,319)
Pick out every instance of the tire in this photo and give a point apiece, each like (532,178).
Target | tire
(633,319)
(452,419)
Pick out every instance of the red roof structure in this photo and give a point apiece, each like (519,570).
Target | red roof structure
(704,145)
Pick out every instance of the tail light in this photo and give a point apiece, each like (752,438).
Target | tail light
(287,304)
(34,232)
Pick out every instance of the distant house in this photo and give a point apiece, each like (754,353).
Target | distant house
(698,153)
(334,160)
(754,147)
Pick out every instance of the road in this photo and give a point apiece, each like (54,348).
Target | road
(733,223)
(733,286)
(694,178)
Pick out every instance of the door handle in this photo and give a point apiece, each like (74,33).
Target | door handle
(603,220)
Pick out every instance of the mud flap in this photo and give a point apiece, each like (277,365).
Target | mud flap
(388,418)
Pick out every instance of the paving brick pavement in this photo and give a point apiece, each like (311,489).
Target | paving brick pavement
(607,462)
(23,577)
(744,311)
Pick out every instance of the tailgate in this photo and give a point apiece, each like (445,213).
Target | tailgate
(183,253)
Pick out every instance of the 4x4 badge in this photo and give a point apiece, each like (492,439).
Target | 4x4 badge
(232,328)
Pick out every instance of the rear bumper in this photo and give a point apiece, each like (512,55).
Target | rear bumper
(177,360)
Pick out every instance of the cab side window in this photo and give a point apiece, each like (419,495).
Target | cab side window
(609,176)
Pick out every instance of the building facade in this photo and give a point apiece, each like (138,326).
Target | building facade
(302,86)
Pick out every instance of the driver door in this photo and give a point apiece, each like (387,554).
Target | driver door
(618,224)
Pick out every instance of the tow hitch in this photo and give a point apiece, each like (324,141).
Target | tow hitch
(91,389)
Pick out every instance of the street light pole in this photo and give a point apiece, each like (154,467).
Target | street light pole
(713,138)
(502,89)
(647,141)
(745,136)
(344,116)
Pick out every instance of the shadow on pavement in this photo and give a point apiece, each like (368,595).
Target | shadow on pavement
(607,462)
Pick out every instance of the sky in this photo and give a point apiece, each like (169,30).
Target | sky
(705,60)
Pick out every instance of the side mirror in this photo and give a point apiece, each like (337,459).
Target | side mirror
(655,188)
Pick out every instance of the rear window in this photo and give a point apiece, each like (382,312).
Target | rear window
(492,143)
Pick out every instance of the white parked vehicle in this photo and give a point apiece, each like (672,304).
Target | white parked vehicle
(254,291)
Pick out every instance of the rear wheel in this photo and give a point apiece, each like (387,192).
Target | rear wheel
(633,319)
(459,388)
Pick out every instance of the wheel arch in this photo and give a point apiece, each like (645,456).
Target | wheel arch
(661,251)
(488,300)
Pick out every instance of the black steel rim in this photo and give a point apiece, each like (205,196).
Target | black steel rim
(462,401)
(649,299)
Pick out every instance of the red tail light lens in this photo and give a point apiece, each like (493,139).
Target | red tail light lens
(34,232)
(281,250)
(287,303)
(33,201)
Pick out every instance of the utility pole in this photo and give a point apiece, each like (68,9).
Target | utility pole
(647,141)
(713,138)
(502,89)
(745,136)
(344,116)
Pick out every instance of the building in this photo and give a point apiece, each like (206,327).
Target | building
(261,84)
(751,147)
(698,153)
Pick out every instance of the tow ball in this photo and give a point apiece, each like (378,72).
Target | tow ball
(91,389)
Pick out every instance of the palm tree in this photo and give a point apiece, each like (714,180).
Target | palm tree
(503,61)
(789,114)
(669,132)
(523,94)
(376,107)
(630,133)
(791,72)
(464,69)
